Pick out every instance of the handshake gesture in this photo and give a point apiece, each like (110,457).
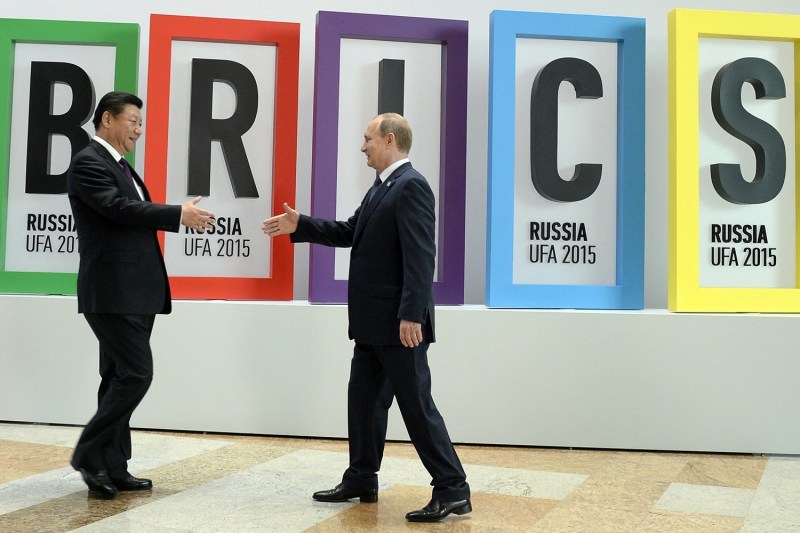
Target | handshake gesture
(195,218)
(282,224)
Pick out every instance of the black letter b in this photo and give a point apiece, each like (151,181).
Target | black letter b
(42,124)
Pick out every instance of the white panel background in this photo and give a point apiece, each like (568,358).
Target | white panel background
(98,62)
(258,143)
(358,104)
(641,380)
(587,133)
(717,146)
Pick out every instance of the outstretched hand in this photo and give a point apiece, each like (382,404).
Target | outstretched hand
(282,224)
(195,218)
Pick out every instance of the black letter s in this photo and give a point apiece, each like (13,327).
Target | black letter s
(766,142)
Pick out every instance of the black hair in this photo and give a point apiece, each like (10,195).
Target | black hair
(114,102)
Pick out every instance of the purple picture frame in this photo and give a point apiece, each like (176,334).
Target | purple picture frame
(448,289)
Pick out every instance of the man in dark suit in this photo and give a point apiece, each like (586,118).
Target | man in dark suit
(391,319)
(122,283)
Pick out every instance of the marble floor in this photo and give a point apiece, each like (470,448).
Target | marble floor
(229,483)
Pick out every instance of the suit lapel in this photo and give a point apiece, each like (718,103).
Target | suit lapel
(376,199)
(125,184)
(140,181)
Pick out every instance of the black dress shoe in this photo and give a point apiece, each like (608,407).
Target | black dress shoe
(342,493)
(133,483)
(436,510)
(99,483)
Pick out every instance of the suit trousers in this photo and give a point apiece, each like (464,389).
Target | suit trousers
(126,371)
(377,373)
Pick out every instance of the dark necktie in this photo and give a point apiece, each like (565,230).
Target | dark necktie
(373,189)
(127,168)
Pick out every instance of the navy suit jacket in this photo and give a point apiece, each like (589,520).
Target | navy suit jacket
(121,267)
(392,257)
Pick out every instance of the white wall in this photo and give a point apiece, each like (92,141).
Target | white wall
(634,380)
(646,379)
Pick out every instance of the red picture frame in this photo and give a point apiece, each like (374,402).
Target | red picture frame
(164,29)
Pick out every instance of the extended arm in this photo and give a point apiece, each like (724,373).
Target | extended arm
(97,189)
(303,228)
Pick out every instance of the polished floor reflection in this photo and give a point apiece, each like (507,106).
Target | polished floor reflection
(226,483)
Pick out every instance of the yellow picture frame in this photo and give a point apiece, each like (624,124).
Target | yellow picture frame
(686,27)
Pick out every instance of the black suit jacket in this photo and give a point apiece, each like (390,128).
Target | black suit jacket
(121,267)
(392,257)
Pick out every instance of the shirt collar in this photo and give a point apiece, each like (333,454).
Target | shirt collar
(391,168)
(111,150)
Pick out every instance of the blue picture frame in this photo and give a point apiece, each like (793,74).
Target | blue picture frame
(629,34)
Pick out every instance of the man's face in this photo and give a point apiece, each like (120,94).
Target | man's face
(123,130)
(376,148)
